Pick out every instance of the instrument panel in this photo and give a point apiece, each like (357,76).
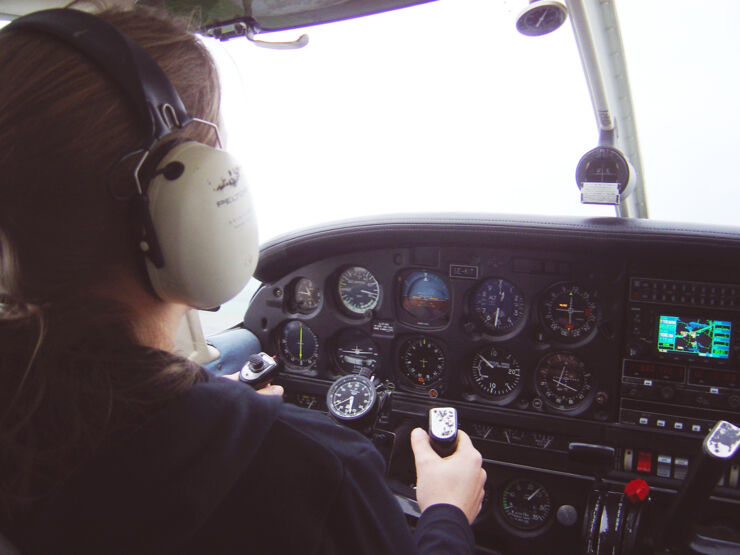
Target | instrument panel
(545,337)
(488,326)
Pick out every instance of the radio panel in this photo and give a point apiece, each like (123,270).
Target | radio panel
(680,371)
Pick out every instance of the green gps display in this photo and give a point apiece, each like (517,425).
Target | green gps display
(694,336)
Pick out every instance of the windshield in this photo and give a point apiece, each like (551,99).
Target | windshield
(446,107)
(398,112)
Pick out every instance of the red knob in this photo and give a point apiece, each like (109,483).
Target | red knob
(637,491)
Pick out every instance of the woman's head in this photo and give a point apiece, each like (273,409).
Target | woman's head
(70,370)
(63,125)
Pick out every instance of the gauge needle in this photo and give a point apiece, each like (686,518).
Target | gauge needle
(486,361)
(351,402)
(495,323)
(533,494)
(542,18)
(371,293)
(300,343)
(561,384)
(562,373)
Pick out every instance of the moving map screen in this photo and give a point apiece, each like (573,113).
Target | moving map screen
(704,338)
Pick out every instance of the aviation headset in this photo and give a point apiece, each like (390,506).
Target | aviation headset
(194,215)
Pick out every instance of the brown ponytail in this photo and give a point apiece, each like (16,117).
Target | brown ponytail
(71,372)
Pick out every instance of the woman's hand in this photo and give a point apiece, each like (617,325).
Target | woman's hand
(267,389)
(457,480)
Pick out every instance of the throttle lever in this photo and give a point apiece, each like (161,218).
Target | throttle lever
(443,430)
(719,447)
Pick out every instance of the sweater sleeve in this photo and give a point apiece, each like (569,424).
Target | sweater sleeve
(444,529)
(363,515)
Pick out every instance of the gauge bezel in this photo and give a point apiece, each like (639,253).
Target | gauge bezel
(485,327)
(541,10)
(505,398)
(411,319)
(367,382)
(585,334)
(281,347)
(405,380)
(342,336)
(356,313)
(516,527)
(292,296)
(585,401)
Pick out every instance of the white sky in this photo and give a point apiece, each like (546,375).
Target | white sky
(445,107)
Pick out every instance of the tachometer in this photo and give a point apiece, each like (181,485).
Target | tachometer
(498,305)
(526,504)
(495,373)
(358,290)
(299,345)
(569,312)
(355,351)
(563,381)
(422,360)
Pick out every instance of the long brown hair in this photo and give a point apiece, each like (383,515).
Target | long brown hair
(71,373)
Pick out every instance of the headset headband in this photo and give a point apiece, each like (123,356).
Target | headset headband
(145,84)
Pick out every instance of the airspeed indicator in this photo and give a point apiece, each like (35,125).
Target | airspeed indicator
(358,290)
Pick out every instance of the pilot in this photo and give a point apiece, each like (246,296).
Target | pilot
(109,442)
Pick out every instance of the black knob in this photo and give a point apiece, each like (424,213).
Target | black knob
(255,362)
(667,392)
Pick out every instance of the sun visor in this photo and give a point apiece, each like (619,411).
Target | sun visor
(278,15)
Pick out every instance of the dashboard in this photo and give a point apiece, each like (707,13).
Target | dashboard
(579,354)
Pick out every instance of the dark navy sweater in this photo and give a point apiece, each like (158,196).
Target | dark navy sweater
(223,470)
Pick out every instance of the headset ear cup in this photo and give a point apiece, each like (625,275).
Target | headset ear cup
(202,213)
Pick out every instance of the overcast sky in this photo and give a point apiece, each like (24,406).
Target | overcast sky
(445,106)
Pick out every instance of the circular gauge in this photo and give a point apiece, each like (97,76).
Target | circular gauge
(425,296)
(495,372)
(603,165)
(498,305)
(563,381)
(422,360)
(541,17)
(306,295)
(569,312)
(355,351)
(299,346)
(526,504)
(350,398)
(358,290)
